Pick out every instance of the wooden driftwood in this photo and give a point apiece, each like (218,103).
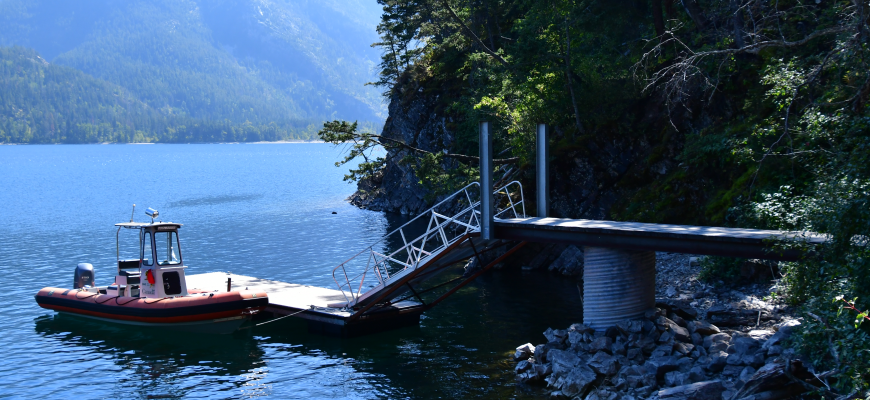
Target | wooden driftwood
(782,381)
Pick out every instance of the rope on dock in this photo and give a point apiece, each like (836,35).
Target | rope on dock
(273,320)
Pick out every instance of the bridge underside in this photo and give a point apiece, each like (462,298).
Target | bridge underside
(731,242)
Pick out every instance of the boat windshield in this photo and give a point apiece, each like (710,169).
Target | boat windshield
(146,249)
(168,252)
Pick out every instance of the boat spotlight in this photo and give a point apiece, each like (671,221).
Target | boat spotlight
(152,213)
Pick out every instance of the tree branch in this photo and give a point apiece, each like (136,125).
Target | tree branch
(460,157)
(471,34)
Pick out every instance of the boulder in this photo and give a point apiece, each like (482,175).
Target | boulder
(522,366)
(543,370)
(630,326)
(635,355)
(683,309)
(732,371)
(619,347)
(659,366)
(680,333)
(602,394)
(716,338)
(540,353)
(734,359)
(709,390)
(760,334)
(570,262)
(604,364)
(704,328)
(717,361)
(645,391)
(580,328)
(563,361)
(577,381)
(646,344)
(675,378)
(782,333)
(556,335)
(746,374)
(663,350)
(684,364)
(721,346)
(774,350)
(602,343)
(678,320)
(524,352)
(683,348)
(745,345)
(696,374)
(648,326)
(755,360)
(666,337)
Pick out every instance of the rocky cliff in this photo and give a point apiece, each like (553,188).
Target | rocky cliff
(396,188)
(589,175)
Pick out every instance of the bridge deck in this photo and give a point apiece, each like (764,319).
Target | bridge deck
(735,242)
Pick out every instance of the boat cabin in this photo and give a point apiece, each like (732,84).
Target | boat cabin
(158,272)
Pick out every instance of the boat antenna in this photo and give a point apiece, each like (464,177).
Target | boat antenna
(134,212)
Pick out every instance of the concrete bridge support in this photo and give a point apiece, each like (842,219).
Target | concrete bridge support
(617,285)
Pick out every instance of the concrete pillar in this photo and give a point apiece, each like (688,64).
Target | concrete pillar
(541,169)
(617,285)
(486,206)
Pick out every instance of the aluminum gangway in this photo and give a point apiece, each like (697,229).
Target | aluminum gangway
(380,287)
(397,265)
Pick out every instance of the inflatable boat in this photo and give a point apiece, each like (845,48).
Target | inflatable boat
(148,292)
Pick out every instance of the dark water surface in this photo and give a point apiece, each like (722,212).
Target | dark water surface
(258,209)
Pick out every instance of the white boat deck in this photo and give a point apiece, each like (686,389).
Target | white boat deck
(281,294)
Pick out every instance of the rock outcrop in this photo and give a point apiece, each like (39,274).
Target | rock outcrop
(396,188)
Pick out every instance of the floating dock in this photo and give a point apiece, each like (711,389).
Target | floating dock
(311,303)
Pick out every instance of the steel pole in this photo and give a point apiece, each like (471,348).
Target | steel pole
(541,168)
(485,181)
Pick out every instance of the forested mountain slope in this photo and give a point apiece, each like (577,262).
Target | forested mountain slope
(61,102)
(229,63)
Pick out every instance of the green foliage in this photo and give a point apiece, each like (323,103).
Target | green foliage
(726,269)
(768,122)
(363,145)
(836,341)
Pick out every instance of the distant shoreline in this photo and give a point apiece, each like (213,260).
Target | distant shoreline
(104,143)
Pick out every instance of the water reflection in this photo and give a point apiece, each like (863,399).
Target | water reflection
(151,356)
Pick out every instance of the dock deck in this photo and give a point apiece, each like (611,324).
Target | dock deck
(310,302)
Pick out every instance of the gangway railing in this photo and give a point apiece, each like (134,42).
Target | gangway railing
(452,219)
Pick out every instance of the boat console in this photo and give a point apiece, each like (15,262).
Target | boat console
(159,270)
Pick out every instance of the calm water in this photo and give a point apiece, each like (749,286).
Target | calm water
(256,209)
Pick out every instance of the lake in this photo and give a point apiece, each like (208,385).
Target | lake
(263,210)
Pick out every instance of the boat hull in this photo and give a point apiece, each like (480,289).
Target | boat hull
(202,312)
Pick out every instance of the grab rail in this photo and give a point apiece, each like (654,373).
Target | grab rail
(445,226)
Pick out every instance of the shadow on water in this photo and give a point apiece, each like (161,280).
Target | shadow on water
(213,200)
(153,351)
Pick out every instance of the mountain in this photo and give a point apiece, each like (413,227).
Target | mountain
(254,62)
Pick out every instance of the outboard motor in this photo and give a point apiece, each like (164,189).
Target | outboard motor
(84,276)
